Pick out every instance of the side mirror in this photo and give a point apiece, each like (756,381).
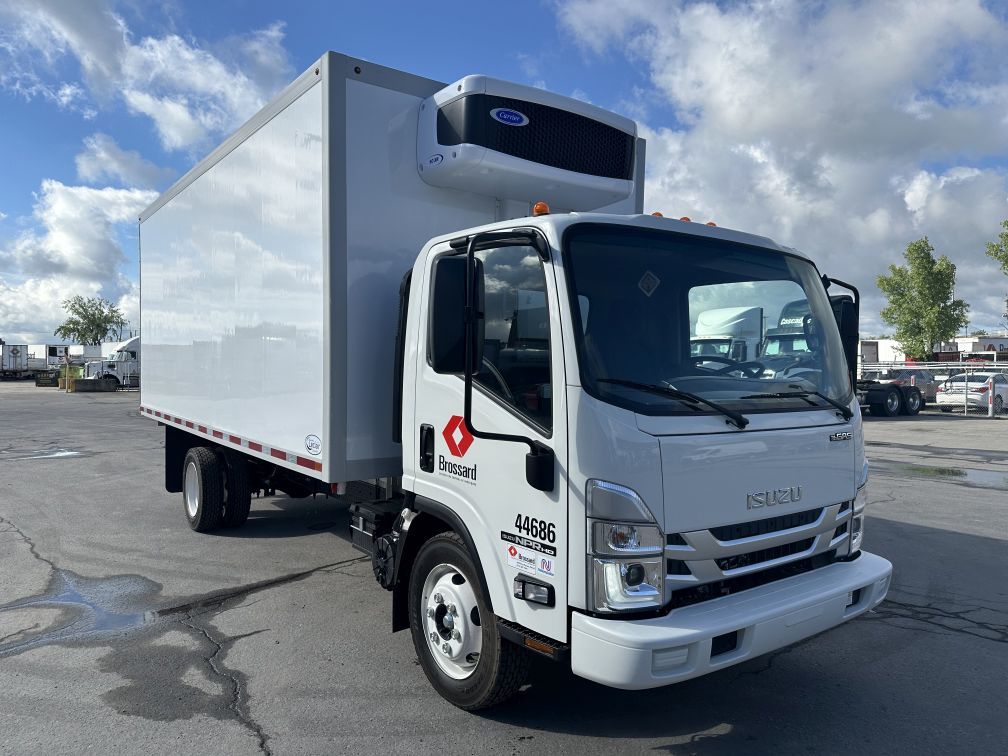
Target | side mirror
(539,467)
(448,322)
(845,310)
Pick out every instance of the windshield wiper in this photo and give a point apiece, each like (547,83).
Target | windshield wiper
(804,394)
(737,419)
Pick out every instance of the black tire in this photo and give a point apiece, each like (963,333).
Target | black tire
(501,667)
(890,406)
(913,402)
(203,489)
(237,489)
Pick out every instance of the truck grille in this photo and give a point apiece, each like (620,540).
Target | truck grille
(705,564)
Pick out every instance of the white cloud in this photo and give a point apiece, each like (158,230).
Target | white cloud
(103,159)
(846,129)
(2,216)
(190,92)
(74,250)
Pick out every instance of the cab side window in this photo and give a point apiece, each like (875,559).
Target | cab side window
(516,354)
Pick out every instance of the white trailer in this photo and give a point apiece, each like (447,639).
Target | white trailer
(733,332)
(43,357)
(362,285)
(13,360)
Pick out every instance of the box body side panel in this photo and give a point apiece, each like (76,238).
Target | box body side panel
(390,214)
(232,289)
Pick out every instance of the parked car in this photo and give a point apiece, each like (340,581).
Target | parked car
(957,391)
(896,391)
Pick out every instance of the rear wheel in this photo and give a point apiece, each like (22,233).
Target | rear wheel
(203,489)
(914,402)
(455,632)
(237,489)
(890,405)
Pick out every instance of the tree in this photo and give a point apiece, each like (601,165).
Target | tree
(920,300)
(978,332)
(998,250)
(90,319)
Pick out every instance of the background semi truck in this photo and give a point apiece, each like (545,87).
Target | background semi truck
(120,364)
(364,285)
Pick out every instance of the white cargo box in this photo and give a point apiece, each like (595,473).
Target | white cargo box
(270,272)
(13,358)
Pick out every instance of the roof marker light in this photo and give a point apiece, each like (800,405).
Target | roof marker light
(686,219)
(656,214)
(540,208)
(712,224)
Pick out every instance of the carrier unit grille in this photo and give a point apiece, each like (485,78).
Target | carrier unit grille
(550,136)
(704,564)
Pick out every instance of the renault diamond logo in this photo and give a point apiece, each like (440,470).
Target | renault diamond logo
(457,436)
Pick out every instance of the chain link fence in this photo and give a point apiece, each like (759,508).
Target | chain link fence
(974,388)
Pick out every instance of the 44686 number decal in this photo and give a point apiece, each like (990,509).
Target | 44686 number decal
(534,528)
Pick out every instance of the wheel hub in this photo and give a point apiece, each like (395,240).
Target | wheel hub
(451,618)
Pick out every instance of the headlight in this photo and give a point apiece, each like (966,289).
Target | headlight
(858,517)
(625,550)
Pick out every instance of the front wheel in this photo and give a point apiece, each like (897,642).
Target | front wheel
(455,632)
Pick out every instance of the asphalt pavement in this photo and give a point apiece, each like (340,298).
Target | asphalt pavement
(121,630)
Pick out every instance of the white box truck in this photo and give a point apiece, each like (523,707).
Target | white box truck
(362,284)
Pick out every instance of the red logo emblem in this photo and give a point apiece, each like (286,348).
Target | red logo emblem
(457,436)
(512,551)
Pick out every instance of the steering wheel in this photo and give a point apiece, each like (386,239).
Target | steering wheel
(755,368)
(501,382)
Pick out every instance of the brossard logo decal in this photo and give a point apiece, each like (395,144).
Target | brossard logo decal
(458,439)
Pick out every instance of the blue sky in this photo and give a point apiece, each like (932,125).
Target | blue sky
(846,129)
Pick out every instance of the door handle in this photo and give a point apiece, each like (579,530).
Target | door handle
(427,448)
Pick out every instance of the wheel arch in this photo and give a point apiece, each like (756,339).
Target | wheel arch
(431,518)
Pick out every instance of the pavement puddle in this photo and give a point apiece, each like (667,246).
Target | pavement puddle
(971,477)
(40,454)
(88,607)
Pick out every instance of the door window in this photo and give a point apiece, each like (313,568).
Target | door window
(516,355)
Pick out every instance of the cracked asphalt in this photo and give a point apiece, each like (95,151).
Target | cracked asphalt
(123,631)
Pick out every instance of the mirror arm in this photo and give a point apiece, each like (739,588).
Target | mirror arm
(539,475)
(850,287)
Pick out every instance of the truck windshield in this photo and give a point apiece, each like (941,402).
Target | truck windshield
(648,304)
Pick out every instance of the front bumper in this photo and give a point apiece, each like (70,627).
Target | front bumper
(650,653)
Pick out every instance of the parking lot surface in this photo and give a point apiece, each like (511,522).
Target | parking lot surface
(121,630)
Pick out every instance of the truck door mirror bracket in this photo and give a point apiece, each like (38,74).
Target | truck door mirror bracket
(540,467)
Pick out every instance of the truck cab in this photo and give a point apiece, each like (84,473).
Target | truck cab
(674,532)
(122,365)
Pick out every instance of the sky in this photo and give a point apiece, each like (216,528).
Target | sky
(845,128)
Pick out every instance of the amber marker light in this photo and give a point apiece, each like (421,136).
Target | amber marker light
(540,208)
(656,214)
(685,219)
(712,224)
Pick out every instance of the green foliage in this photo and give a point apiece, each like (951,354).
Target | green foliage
(90,320)
(998,251)
(979,332)
(920,300)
